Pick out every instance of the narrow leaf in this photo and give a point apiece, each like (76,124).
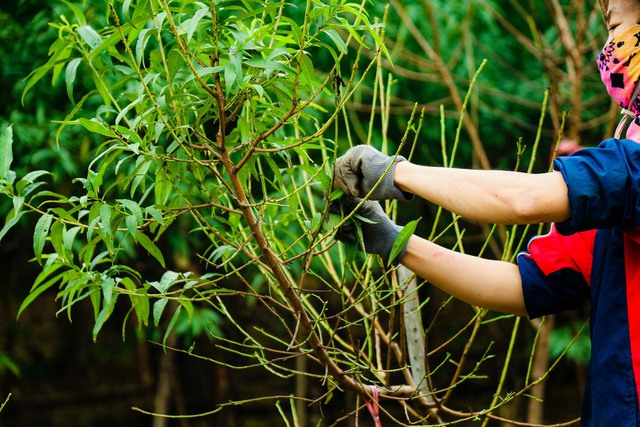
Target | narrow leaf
(40,235)
(108,283)
(188,305)
(6,154)
(150,247)
(37,74)
(402,239)
(102,317)
(172,323)
(67,242)
(77,12)
(158,308)
(156,214)
(29,178)
(11,221)
(90,36)
(96,127)
(140,302)
(132,207)
(105,219)
(132,225)
(39,290)
(340,44)
(193,24)
(70,76)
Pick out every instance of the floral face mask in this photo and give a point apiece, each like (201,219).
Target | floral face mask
(619,64)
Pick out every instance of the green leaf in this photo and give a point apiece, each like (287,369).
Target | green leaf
(125,8)
(140,302)
(12,219)
(172,324)
(365,219)
(70,76)
(132,225)
(56,236)
(36,75)
(96,298)
(188,305)
(168,279)
(102,317)
(336,194)
(6,155)
(331,221)
(307,75)
(351,251)
(315,221)
(96,127)
(402,239)
(105,219)
(17,203)
(268,65)
(49,268)
(29,179)
(40,235)
(158,308)
(230,77)
(67,242)
(108,284)
(150,247)
(39,290)
(132,207)
(357,226)
(162,189)
(223,251)
(7,364)
(193,22)
(141,44)
(155,214)
(140,174)
(90,36)
(101,87)
(77,12)
(340,44)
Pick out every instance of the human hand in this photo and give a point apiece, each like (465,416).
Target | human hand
(360,168)
(378,232)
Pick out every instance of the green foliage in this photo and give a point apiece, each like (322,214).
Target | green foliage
(568,338)
(7,365)
(207,122)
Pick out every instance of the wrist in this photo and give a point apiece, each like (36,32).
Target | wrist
(401,173)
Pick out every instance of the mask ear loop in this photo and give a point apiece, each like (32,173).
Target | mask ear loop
(627,113)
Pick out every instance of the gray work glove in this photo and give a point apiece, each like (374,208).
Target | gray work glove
(378,231)
(358,170)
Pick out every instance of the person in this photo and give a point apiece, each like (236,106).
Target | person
(591,199)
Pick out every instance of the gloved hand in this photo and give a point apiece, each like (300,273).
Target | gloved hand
(378,231)
(358,170)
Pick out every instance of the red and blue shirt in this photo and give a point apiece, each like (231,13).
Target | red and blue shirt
(595,255)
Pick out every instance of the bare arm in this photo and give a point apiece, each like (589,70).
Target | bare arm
(486,283)
(500,197)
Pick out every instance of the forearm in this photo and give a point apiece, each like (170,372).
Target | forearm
(486,283)
(500,197)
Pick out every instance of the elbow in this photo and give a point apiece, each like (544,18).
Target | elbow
(534,210)
(535,198)
(544,200)
(525,210)
(545,204)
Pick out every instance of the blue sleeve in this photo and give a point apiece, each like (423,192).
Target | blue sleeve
(604,186)
(561,290)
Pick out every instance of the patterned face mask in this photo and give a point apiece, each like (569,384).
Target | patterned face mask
(619,64)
